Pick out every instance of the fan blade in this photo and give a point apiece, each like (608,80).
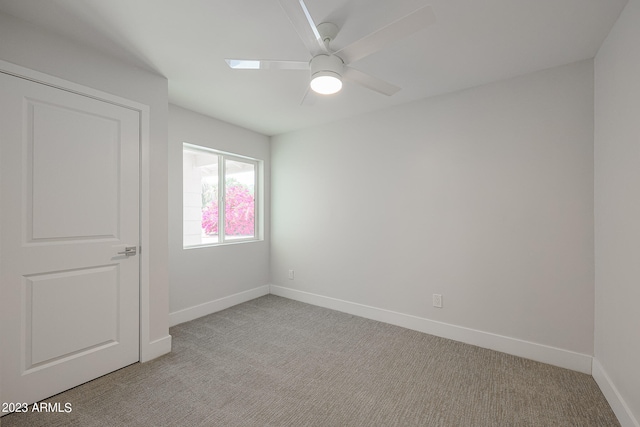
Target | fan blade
(387,35)
(260,64)
(299,16)
(370,82)
(309,98)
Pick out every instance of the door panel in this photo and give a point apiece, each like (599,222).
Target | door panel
(69,204)
(63,205)
(53,314)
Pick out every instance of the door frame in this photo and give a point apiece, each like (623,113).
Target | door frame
(147,350)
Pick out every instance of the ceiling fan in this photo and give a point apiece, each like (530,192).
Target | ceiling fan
(328,67)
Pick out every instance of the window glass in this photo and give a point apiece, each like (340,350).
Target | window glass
(240,183)
(219,197)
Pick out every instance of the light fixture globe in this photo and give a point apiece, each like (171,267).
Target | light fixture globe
(326,83)
(326,74)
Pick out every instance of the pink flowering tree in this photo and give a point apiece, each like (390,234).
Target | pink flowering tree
(239,212)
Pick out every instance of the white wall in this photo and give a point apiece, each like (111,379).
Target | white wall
(204,280)
(484,196)
(617,216)
(30,47)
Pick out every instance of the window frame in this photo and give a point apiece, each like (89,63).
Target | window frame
(223,156)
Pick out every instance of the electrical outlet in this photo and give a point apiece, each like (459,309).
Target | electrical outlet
(437,300)
(291,274)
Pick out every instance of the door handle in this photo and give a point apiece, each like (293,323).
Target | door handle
(129,251)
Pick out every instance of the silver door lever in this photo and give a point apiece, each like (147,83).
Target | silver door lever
(129,251)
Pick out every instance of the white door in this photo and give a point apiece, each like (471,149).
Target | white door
(69,301)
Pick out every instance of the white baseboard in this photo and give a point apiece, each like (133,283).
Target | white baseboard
(206,308)
(529,350)
(155,349)
(618,404)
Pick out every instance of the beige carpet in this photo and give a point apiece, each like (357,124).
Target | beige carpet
(277,362)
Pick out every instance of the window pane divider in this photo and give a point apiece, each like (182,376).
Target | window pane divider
(222,191)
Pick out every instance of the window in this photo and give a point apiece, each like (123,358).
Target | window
(220,202)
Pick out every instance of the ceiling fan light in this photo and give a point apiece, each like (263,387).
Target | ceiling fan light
(326,82)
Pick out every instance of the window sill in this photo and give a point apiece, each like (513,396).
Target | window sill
(228,243)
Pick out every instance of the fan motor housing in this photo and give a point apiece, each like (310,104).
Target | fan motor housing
(326,63)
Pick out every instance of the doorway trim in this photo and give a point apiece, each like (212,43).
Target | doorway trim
(148,350)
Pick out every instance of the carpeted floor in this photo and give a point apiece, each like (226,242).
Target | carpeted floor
(277,362)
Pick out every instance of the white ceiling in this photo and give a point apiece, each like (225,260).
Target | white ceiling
(473,42)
